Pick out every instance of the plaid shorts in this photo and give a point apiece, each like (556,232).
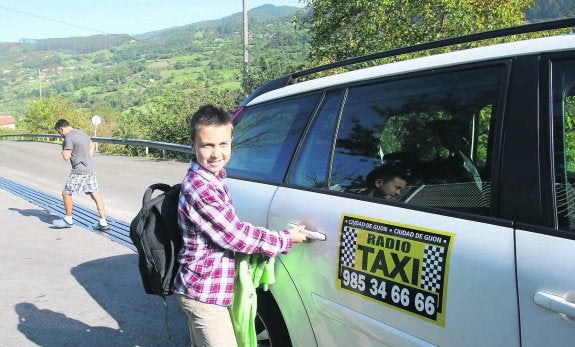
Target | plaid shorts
(85,183)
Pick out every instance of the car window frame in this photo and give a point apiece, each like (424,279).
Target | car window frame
(493,147)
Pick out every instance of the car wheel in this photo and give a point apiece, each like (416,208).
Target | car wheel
(271,330)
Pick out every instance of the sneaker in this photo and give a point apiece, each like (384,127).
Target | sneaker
(62,223)
(100,227)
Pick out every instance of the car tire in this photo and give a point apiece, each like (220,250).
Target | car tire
(271,329)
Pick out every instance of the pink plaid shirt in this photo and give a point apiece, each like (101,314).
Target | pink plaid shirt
(212,233)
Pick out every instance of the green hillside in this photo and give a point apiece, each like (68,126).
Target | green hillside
(122,72)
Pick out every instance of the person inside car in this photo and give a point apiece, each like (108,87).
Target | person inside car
(387,180)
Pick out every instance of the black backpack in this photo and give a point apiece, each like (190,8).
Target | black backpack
(156,235)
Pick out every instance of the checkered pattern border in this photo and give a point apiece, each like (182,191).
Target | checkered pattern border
(348,246)
(433,265)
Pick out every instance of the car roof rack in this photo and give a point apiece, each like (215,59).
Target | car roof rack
(492,34)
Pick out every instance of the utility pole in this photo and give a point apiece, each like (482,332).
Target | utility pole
(40,80)
(245,74)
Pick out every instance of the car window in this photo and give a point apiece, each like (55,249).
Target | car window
(564,142)
(435,131)
(265,137)
(312,166)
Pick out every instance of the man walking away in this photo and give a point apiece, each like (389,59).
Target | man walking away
(79,148)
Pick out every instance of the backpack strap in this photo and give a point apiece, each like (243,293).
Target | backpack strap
(150,190)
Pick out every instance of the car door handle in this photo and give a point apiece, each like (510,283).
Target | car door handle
(555,302)
(314,235)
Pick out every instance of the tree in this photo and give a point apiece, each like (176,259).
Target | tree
(265,69)
(44,113)
(345,29)
(166,116)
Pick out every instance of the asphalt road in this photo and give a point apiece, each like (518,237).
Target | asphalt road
(73,287)
(122,180)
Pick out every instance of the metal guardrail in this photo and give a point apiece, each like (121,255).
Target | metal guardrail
(164,146)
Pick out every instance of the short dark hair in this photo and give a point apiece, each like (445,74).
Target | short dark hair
(208,115)
(61,123)
(388,171)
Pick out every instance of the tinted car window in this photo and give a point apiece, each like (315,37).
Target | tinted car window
(564,142)
(436,129)
(265,137)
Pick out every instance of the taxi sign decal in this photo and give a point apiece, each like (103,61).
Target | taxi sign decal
(397,265)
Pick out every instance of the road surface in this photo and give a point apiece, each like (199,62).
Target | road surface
(122,179)
(73,287)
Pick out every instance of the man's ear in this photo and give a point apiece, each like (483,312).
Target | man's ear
(378,182)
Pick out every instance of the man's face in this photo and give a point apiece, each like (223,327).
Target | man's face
(213,146)
(390,188)
(60,131)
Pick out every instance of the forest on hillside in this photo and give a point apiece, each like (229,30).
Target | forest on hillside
(121,72)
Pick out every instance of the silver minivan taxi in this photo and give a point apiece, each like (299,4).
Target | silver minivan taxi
(477,248)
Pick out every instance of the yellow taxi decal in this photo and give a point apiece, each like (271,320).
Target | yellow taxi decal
(401,266)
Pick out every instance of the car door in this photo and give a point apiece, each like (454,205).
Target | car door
(427,267)
(546,255)
(265,138)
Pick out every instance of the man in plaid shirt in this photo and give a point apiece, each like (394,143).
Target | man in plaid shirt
(212,233)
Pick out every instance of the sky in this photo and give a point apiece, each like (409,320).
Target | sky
(38,19)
